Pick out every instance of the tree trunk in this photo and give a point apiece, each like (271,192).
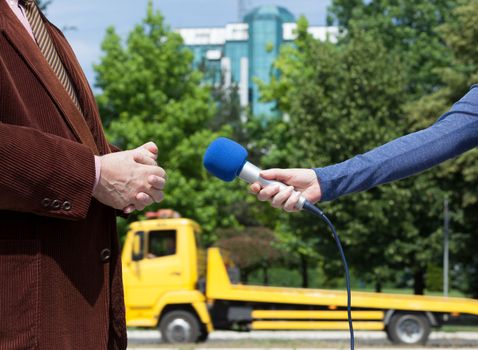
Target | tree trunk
(304,270)
(419,282)
(378,286)
(265,274)
(244,276)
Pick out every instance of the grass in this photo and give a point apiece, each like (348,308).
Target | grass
(453,328)
(261,343)
(453,293)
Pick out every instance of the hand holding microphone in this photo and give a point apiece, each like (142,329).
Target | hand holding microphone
(226,159)
(304,181)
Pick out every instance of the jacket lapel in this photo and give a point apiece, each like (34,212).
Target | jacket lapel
(83,90)
(18,37)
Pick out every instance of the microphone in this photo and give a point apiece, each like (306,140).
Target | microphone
(226,159)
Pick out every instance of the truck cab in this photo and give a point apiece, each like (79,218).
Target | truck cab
(163,274)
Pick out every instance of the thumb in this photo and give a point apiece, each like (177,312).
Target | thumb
(282,175)
(151,146)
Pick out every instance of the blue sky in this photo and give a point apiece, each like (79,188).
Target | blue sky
(92,17)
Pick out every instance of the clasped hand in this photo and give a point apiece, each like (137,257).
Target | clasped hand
(131,180)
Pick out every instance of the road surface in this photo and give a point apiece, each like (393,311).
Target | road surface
(303,340)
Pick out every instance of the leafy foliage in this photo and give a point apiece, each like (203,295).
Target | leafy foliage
(346,98)
(150,92)
(250,248)
(407,27)
(458,177)
(340,103)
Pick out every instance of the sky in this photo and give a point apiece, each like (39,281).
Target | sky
(90,18)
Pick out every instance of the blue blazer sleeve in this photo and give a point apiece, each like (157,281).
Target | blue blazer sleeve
(454,133)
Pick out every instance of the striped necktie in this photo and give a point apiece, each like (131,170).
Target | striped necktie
(47,48)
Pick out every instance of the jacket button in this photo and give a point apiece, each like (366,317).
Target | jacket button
(105,255)
(56,204)
(46,202)
(66,206)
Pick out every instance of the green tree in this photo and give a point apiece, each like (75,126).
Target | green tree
(335,112)
(228,111)
(411,30)
(149,91)
(250,249)
(458,177)
(407,27)
(340,102)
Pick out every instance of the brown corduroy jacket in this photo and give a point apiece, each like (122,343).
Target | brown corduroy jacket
(60,269)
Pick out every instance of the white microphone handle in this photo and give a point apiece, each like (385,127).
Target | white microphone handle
(250,173)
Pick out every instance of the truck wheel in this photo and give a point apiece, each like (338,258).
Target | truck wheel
(179,327)
(203,336)
(408,329)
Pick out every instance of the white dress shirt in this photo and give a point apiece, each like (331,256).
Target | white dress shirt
(20,13)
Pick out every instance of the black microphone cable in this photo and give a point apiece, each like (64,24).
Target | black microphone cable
(316,211)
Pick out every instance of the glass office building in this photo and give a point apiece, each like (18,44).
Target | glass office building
(241,53)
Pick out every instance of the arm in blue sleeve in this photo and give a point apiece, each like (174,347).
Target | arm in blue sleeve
(454,133)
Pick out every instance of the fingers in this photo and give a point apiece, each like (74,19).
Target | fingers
(157,182)
(146,154)
(160,172)
(130,180)
(150,191)
(286,199)
(255,188)
(267,193)
(153,192)
(282,175)
(129,209)
(291,203)
(151,147)
(142,201)
(145,157)
(157,196)
(281,197)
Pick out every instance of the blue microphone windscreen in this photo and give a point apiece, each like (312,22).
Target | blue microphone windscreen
(225,158)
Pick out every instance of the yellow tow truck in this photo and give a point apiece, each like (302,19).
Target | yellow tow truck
(171,285)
